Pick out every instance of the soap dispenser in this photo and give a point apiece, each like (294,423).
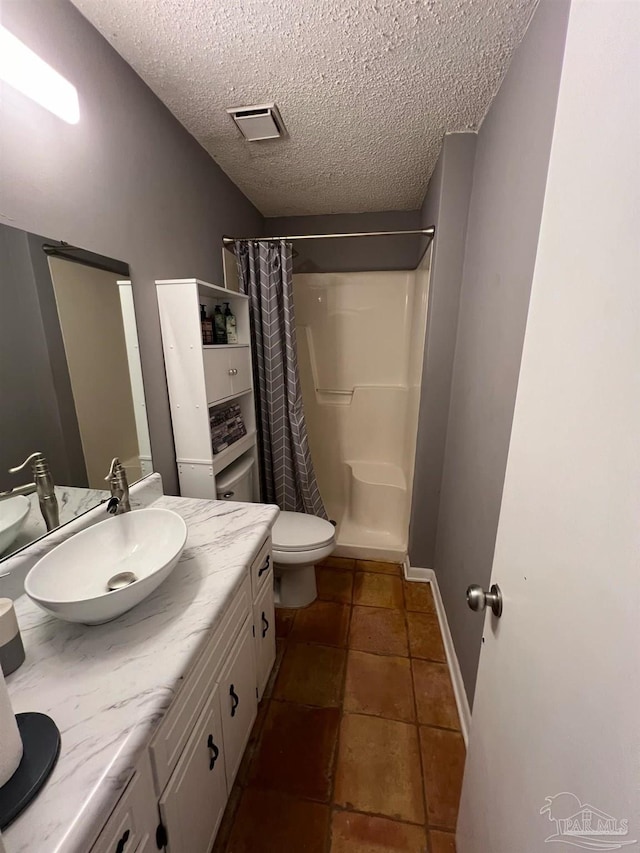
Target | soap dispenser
(219,326)
(230,324)
(207,327)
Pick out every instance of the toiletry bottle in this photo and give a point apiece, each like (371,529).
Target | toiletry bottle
(230,320)
(219,326)
(207,327)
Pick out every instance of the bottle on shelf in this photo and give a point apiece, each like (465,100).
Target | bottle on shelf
(230,325)
(207,326)
(219,326)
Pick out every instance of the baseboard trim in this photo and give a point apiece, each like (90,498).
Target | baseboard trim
(413,573)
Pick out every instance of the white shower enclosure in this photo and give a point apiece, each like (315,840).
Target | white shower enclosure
(360,347)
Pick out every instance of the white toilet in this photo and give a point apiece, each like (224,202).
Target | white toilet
(299,540)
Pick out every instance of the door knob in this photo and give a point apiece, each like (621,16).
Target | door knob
(478,598)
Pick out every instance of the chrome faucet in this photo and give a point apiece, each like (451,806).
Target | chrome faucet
(117,479)
(42,484)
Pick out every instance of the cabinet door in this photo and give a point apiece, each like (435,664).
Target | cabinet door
(240,362)
(265,630)
(194,800)
(134,821)
(217,373)
(261,568)
(238,700)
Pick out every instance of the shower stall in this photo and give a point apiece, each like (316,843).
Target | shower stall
(360,338)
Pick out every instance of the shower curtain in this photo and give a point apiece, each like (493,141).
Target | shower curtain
(265,270)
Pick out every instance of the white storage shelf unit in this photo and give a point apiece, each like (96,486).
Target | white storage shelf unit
(201,377)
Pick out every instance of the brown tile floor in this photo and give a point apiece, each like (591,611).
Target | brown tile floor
(357,745)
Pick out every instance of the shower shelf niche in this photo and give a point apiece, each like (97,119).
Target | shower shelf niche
(201,377)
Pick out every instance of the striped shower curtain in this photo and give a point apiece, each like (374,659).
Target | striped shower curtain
(289,480)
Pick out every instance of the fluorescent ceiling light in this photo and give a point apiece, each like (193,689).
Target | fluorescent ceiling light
(22,69)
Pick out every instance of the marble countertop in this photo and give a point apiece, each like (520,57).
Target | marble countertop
(107,686)
(72,502)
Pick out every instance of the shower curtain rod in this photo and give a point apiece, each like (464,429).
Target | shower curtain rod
(429,232)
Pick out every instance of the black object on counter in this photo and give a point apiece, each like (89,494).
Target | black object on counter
(41,747)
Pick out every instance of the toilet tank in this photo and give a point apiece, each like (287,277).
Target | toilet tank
(235,483)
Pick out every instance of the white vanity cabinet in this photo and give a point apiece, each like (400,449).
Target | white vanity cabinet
(238,699)
(177,796)
(223,690)
(134,821)
(192,804)
(264,622)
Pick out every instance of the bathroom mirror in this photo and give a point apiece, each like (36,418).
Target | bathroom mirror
(70,378)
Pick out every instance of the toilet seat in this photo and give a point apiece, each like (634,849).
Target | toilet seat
(296,532)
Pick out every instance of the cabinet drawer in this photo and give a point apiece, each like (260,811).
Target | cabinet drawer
(169,740)
(193,802)
(134,821)
(240,367)
(264,623)
(260,568)
(238,701)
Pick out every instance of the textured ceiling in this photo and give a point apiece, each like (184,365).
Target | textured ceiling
(366,88)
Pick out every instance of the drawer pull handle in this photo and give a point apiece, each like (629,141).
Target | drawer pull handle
(233,371)
(161,837)
(266,625)
(215,752)
(265,568)
(235,699)
(120,845)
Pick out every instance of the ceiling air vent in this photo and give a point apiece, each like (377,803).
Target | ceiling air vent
(259,122)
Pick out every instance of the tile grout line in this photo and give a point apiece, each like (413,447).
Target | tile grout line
(340,708)
(336,807)
(334,770)
(382,816)
(417,717)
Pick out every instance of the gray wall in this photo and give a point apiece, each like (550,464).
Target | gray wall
(446,206)
(351,255)
(127,181)
(511,162)
(31,415)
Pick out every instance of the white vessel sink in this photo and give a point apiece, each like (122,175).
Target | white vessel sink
(70,582)
(13,514)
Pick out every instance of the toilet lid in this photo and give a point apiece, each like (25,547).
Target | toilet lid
(296,531)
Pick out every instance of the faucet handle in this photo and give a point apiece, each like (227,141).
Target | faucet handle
(117,476)
(117,479)
(115,469)
(35,458)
